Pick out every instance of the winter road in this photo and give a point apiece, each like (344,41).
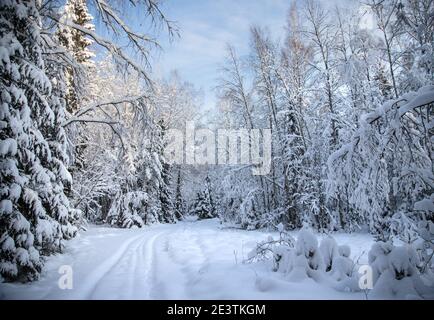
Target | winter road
(188,260)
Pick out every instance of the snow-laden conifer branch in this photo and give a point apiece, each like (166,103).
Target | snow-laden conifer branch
(116,50)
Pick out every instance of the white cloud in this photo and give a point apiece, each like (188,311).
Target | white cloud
(206,27)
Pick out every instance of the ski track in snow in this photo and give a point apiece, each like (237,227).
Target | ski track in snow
(103,271)
(189,260)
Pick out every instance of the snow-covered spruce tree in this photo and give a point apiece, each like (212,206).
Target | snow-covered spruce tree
(127,208)
(167,208)
(179,206)
(174,103)
(204,206)
(77,44)
(201,206)
(18,256)
(78,86)
(144,195)
(152,166)
(58,205)
(135,203)
(35,213)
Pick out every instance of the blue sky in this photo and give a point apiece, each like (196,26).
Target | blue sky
(205,28)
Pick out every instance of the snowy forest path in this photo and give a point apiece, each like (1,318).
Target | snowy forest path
(106,263)
(186,260)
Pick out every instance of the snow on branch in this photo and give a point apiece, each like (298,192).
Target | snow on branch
(111,19)
(115,50)
(77,116)
(413,100)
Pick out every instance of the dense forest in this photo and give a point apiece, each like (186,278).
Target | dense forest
(347,94)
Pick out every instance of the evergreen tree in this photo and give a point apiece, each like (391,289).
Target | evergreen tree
(77,84)
(167,209)
(204,206)
(144,195)
(35,213)
(58,205)
(77,44)
(179,206)
(201,206)
(152,168)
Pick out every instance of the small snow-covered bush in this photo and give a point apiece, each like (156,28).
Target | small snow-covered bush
(276,249)
(403,271)
(342,265)
(307,243)
(378,257)
(398,276)
(425,247)
(298,259)
(307,246)
(329,250)
(326,261)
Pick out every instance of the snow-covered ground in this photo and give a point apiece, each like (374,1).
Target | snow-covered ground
(188,260)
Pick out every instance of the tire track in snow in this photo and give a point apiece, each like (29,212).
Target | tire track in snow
(132,261)
(90,283)
(144,284)
(132,277)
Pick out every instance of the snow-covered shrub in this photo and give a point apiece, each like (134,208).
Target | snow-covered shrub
(397,274)
(342,264)
(344,251)
(279,250)
(319,262)
(298,259)
(282,258)
(307,246)
(398,271)
(328,261)
(378,257)
(329,250)
(403,261)
(425,247)
(247,212)
(343,276)
(307,243)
